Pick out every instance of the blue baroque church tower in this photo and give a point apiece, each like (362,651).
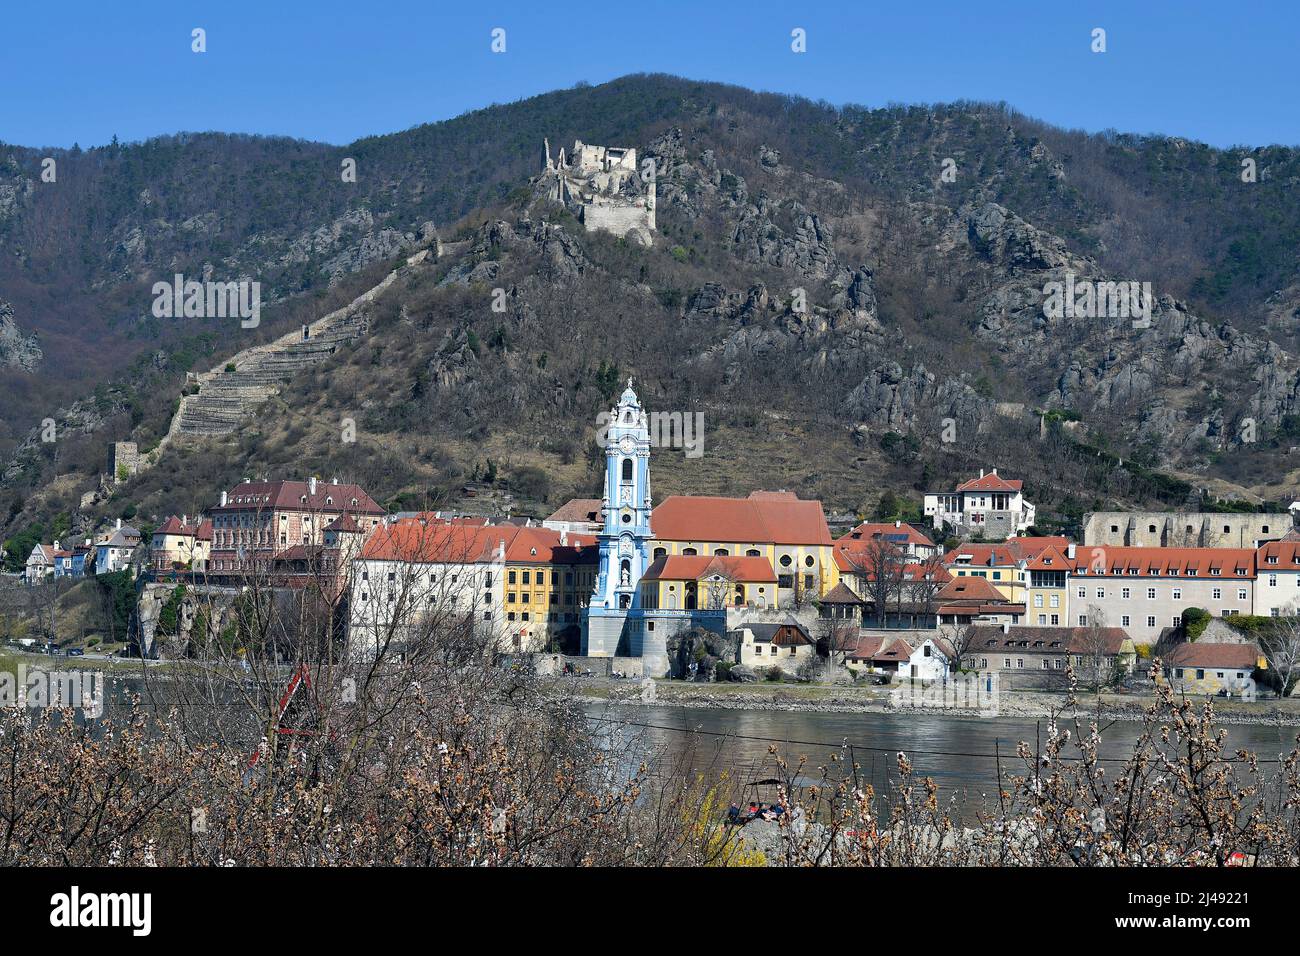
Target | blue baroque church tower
(614,622)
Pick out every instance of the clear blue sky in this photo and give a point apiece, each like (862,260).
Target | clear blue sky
(86,70)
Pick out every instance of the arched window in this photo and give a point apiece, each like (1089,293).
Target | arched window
(627,469)
(1151,528)
(722,551)
(689,551)
(661,553)
(753,553)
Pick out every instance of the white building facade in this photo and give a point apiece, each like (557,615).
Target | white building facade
(989,506)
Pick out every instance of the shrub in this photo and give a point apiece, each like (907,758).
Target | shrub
(1195,620)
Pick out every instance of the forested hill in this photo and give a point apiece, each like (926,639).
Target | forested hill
(927,288)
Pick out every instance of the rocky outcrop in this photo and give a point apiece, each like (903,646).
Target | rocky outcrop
(703,649)
(562,258)
(804,247)
(353,241)
(892,398)
(17,349)
(1011,244)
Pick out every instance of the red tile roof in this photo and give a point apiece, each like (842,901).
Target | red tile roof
(691,567)
(579,509)
(991,482)
(880,648)
(257,495)
(1005,554)
(543,546)
(776,517)
(410,540)
(174,525)
(1059,640)
(1171,562)
(1287,553)
(841,594)
(344,523)
(1049,559)
(1202,654)
(896,533)
(973,588)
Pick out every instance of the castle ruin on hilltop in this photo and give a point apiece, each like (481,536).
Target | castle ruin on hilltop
(604,188)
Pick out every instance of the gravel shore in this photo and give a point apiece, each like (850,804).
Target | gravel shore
(1017,705)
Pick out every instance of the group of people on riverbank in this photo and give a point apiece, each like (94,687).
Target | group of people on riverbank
(755,811)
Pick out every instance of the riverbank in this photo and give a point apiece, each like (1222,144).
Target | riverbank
(832,699)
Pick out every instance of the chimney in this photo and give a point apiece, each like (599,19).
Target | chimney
(334,480)
(1070,550)
(119,524)
(981,472)
(184,520)
(223,499)
(311,485)
(995,471)
(56,545)
(898,522)
(564,538)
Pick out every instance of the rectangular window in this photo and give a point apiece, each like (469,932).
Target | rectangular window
(1101,593)
(1083,620)
(1123,621)
(1151,621)
(1151,594)
(1124,593)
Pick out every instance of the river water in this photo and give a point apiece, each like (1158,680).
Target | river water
(959,754)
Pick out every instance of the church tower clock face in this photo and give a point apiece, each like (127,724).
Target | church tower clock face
(626,444)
